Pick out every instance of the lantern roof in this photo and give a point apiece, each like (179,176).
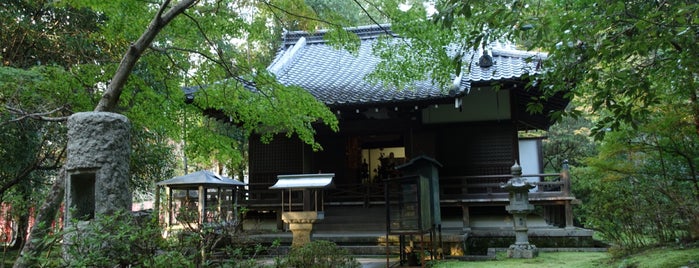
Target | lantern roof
(303,181)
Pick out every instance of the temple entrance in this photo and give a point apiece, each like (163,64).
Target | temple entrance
(380,163)
(379,155)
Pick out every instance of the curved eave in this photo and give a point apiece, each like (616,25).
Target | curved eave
(304,181)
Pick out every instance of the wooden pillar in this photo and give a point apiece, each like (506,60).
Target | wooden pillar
(280,222)
(202,205)
(565,179)
(156,202)
(569,214)
(466,218)
(168,221)
(307,206)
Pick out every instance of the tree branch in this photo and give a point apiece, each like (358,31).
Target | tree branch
(110,98)
(165,50)
(37,116)
(272,6)
(372,18)
(219,52)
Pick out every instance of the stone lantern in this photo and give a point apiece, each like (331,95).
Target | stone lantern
(301,222)
(519,207)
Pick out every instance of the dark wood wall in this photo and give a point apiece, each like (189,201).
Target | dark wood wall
(281,156)
(476,149)
(463,149)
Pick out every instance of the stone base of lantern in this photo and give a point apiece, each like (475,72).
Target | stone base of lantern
(522,251)
(301,233)
(301,226)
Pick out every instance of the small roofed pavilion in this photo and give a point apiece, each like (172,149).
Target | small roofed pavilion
(202,196)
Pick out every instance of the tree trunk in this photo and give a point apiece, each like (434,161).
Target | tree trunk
(694,100)
(107,103)
(22,219)
(694,228)
(45,216)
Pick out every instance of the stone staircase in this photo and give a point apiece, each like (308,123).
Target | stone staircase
(362,230)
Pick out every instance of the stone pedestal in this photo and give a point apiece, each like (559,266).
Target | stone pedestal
(301,226)
(525,251)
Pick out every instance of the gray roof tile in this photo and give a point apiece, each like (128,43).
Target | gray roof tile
(336,77)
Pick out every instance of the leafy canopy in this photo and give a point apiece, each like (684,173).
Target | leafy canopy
(623,57)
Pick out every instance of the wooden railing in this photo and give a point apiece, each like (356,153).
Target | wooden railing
(488,187)
(356,194)
(485,188)
(259,196)
(346,194)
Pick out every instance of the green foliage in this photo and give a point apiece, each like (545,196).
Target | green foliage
(78,44)
(568,139)
(658,257)
(642,187)
(631,66)
(172,259)
(41,89)
(245,253)
(114,240)
(424,57)
(32,150)
(319,254)
(39,33)
(440,43)
(629,213)
(346,13)
(624,58)
(152,159)
(269,110)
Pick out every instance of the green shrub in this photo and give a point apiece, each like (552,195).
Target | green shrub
(321,254)
(170,259)
(116,240)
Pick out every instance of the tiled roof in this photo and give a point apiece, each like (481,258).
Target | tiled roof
(337,77)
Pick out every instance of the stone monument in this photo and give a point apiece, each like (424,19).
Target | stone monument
(519,208)
(97,166)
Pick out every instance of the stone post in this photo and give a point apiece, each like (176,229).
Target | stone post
(519,208)
(97,166)
(301,226)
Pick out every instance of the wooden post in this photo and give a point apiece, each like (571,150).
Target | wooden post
(156,202)
(466,218)
(569,214)
(168,222)
(202,206)
(565,179)
(221,216)
(565,188)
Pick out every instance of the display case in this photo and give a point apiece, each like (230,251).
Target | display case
(408,205)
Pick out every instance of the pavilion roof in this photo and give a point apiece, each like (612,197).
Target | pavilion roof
(203,177)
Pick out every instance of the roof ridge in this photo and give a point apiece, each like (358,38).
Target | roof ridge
(363,32)
(517,53)
(283,58)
